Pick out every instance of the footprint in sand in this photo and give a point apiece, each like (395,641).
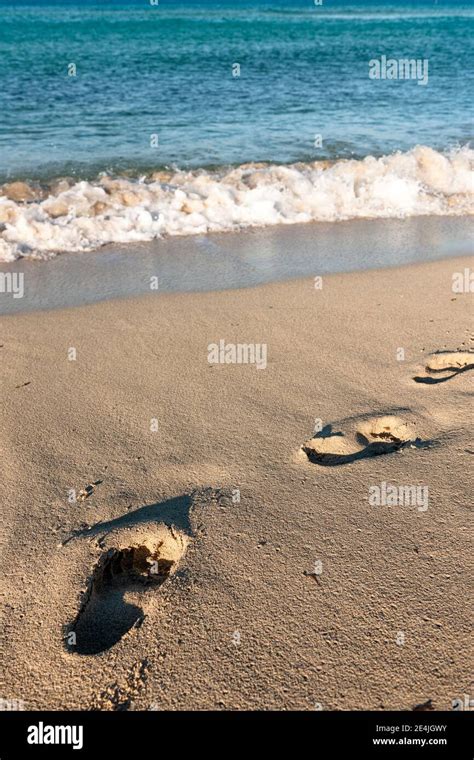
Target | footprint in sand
(446,364)
(369,437)
(121,579)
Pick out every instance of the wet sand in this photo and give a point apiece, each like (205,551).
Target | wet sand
(202,263)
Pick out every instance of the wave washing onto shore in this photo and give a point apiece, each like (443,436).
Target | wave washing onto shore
(81,216)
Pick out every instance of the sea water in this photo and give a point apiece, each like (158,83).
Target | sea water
(188,117)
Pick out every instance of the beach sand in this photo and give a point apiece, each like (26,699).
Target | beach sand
(300,595)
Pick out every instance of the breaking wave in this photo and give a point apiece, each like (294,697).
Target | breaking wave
(39,222)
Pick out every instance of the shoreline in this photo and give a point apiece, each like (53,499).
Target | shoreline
(243,566)
(83,216)
(231,260)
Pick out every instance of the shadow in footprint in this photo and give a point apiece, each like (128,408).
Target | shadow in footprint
(376,436)
(435,380)
(454,362)
(371,450)
(93,636)
(105,616)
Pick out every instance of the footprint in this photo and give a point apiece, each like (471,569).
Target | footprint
(370,437)
(115,595)
(450,362)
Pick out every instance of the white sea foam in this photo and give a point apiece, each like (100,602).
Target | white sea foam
(88,215)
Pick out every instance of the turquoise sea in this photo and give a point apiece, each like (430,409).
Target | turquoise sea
(155,85)
(135,120)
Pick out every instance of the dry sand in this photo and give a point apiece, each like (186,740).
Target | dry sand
(303,593)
